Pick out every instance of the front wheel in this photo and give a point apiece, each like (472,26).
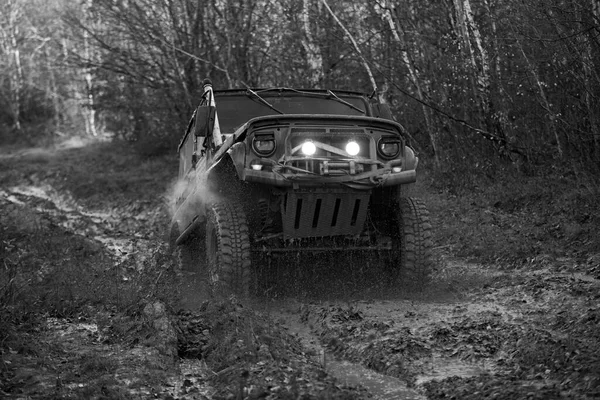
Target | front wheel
(190,253)
(227,249)
(415,243)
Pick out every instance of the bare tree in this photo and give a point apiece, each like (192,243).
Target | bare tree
(90,114)
(363,60)
(10,29)
(314,59)
(387,13)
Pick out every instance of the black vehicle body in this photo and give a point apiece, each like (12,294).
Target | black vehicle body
(293,170)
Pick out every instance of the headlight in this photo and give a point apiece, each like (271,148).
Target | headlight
(352,148)
(264,144)
(388,147)
(309,148)
(256,165)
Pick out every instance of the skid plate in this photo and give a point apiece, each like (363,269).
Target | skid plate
(324,212)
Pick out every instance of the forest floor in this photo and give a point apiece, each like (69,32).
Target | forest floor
(93,306)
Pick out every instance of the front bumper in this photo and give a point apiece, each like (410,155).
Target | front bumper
(367,180)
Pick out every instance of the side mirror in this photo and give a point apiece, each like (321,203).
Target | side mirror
(205,121)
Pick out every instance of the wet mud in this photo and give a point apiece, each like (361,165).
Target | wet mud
(330,326)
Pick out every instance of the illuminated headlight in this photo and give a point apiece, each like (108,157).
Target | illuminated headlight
(264,144)
(388,147)
(309,148)
(352,148)
(256,165)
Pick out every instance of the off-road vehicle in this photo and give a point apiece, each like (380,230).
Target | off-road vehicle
(265,171)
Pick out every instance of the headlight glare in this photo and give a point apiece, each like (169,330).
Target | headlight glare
(256,165)
(309,148)
(352,148)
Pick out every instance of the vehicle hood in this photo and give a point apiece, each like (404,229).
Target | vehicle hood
(361,121)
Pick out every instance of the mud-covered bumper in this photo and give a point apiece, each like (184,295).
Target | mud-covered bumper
(369,179)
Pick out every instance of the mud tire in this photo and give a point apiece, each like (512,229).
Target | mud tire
(189,255)
(415,244)
(227,250)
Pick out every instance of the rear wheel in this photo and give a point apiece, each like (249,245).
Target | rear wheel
(415,243)
(227,249)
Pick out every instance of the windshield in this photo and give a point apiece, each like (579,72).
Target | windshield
(235,110)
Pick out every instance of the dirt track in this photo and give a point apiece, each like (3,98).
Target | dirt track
(477,332)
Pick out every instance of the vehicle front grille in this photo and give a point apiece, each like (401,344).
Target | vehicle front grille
(330,158)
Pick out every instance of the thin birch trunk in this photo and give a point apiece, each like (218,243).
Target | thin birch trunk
(483,72)
(544,99)
(53,92)
(480,65)
(483,78)
(462,31)
(387,14)
(16,73)
(588,74)
(314,59)
(90,123)
(356,48)
(497,57)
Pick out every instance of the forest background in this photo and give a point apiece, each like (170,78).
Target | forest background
(479,84)
(501,100)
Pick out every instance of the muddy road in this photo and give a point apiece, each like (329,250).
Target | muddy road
(477,332)
(325,326)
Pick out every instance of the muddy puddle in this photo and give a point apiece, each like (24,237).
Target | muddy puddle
(381,387)
(443,367)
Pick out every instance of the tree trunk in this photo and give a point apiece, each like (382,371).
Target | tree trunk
(16,73)
(314,59)
(415,79)
(356,48)
(543,98)
(480,67)
(52,92)
(90,114)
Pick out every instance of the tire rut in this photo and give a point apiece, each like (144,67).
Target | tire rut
(291,315)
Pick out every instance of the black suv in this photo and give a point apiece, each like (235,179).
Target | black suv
(274,170)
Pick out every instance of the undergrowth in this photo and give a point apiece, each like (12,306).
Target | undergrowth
(514,219)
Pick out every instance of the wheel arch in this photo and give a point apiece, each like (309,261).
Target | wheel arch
(225,177)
